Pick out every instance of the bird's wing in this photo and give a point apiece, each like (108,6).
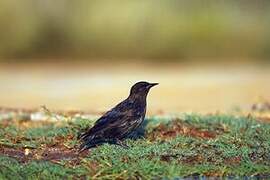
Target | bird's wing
(109,118)
(121,112)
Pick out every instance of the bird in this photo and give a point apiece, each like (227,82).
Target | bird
(119,122)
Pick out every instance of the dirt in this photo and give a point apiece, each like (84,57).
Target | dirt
(178,127)
(52,154)
(233,160)
(182,159)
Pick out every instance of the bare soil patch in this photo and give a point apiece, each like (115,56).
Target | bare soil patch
(177,127)
(52,154)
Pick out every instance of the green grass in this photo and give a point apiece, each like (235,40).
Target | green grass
(241,147)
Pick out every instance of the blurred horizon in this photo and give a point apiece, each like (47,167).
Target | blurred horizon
(97,88)
(150,30)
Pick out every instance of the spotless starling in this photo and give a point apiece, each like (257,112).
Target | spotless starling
(116,124)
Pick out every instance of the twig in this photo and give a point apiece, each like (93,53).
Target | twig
(48,112)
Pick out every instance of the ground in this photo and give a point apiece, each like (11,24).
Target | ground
(96,87)
(187,145)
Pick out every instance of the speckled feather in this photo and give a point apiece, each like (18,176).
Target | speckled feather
(121,120)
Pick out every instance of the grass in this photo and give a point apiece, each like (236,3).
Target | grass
(193,145)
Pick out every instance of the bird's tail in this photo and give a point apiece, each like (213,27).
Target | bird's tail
(83,147)
(81,136)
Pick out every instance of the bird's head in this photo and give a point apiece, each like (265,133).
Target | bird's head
(141,88)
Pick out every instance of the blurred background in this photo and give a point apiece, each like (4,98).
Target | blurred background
(206,55)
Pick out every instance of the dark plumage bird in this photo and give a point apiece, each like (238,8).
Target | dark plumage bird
(120,121)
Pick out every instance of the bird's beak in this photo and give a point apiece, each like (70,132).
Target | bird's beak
(152,84)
